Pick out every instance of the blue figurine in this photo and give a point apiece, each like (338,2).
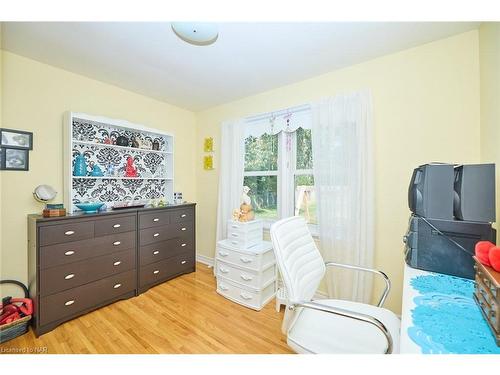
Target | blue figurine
(96,171)
(80,167)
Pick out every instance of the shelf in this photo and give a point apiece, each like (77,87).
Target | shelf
(120,147)
(122,178)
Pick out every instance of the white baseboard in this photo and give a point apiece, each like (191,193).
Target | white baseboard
(205,260)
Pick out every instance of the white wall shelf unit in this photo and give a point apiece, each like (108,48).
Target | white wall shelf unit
(87,135)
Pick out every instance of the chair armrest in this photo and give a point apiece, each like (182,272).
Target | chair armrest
(351,315)
(376,272)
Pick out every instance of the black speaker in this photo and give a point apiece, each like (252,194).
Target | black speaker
(430,193)
(475,192)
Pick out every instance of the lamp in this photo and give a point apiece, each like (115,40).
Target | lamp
(197,33)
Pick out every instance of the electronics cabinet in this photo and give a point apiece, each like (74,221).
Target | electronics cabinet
(81,262)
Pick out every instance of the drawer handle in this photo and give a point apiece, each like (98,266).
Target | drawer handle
(184,262)
(156,219)
(246,296)
(223,287)
(183,215)
(234,242)
(183,244)
(117,226)
(223,254)
(245,260)
(234,234)
(183,228)
(156,272)
(69,253)
(156,252)
(69,303)
(235,226)
(116,243)
(69,277)
(246,278)
(223,270)
(116,286)
(117,263)
(69,232)
(156,234)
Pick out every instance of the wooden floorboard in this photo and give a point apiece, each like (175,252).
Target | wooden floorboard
(184,315)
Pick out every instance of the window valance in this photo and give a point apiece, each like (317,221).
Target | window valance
(282,121)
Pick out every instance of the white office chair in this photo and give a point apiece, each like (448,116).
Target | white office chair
(326,325)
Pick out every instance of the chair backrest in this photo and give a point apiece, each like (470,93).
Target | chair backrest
(299,260)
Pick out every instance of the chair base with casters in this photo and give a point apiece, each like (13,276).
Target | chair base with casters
(327,325)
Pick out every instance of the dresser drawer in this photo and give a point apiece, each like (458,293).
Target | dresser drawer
(244,296)
(72,301)
(154,219)
(117,224)
(65,253)
(59,233)
(165,269)
(256,280)
(257,258)
(155,252)
(186,214)
(166,232)
(56,279)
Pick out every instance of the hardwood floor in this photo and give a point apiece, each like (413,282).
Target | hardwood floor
(184,315)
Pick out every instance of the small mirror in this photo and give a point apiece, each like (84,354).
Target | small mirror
(44,193)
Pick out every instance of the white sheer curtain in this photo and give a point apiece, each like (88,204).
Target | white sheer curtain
(232,153)
(342,140)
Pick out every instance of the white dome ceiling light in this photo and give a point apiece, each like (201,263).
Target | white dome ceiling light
(197,33)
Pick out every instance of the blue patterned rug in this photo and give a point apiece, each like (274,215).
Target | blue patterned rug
(447,320)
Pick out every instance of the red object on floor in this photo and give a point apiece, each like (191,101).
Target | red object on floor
(494,258)
(482,251)
(15,308)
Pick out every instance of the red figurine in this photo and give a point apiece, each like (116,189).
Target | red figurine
(130,170)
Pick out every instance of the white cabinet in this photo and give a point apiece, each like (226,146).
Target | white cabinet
(246,276)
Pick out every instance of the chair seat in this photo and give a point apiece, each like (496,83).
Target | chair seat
(319,332)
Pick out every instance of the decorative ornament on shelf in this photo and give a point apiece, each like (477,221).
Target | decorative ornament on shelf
(80,167)
(245,212)
(130,169)
(122,141)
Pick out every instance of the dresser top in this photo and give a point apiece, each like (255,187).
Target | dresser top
(39,218)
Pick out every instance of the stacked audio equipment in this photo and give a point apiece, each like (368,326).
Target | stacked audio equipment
(453,207)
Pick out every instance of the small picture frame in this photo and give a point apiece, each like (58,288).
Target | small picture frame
(208,144)
(208,162)
(19,139)
(14,159)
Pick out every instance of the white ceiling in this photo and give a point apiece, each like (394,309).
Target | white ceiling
(246,59)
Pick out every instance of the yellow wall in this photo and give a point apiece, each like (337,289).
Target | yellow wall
(426,108)
(489,52)
(35,96)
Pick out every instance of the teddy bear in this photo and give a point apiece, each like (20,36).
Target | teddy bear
(245,213)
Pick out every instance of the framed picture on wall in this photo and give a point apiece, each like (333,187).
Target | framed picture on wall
(16,139)
(13,159)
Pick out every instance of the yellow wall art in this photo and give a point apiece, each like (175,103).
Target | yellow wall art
(208,144)
(208,162)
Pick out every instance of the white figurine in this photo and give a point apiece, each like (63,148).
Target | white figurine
(245,199)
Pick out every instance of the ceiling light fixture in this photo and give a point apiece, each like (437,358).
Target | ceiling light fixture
(197,33)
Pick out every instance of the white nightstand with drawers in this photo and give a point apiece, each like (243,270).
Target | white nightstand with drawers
(245,266)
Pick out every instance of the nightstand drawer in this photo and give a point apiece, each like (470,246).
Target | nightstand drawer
(59,233)
(117,224)
(69,276)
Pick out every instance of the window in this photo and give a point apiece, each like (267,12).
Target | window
(278,171)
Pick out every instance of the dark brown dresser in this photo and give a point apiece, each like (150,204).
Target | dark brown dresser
(81,262)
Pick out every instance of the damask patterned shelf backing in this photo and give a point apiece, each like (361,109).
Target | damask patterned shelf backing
(154,167)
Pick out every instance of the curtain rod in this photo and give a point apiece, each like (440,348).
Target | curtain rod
(281,112)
